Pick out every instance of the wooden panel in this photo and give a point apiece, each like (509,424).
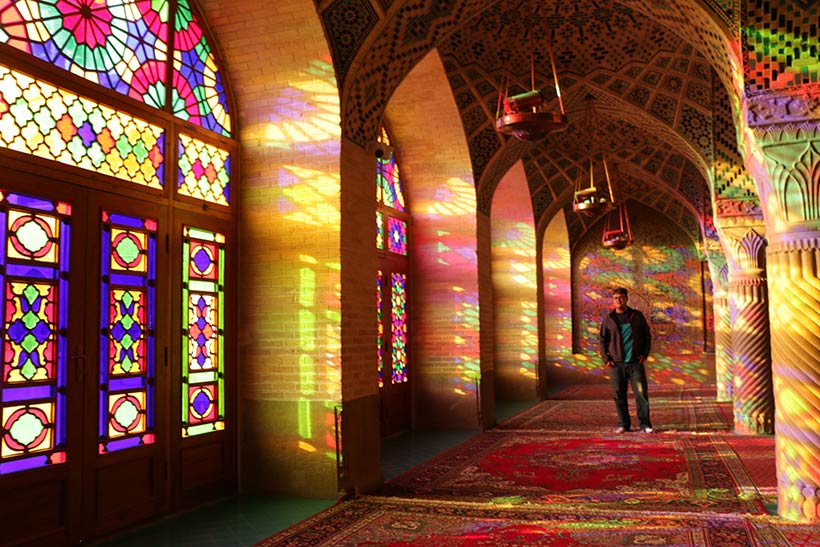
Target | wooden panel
(34,514)
(121,488)
(203,464)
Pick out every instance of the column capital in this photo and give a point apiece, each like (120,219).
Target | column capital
(793,108)
(745,244)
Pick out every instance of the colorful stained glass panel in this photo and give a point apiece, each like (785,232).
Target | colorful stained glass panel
(399,327)
(204,171)
(34,278)
(397,235)
(40,119)
(127,344)
(203,296)
(380,322)
(198,91)
(388,183)
(119,44)
(379,230)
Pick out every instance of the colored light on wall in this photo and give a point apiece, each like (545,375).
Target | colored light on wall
(46,121)
(204,171)
(203,299)
(34,278)
(308,111)
(310,197)
(127,319)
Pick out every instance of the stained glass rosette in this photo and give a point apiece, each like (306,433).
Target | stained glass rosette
(34,278)
(198,91)
(127,346)
(123,45)
(120,44)
(203,377)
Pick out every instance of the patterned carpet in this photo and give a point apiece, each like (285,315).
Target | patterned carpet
(555,476)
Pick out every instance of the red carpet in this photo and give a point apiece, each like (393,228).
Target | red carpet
(382,522)
(638,471)
(554,476)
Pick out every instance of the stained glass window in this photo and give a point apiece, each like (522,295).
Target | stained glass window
(204,171)
(399,327)
(397,233)
(380,332)
(203,382)
(120,44)
(198,92)
(127,351)
(123,45)
(379,230)
(388,184)
(34,278)
(40,119)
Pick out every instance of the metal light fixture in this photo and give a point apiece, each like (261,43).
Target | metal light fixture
(526,116)
(617,236)
(590,198)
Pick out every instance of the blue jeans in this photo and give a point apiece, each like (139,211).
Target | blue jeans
(634,373)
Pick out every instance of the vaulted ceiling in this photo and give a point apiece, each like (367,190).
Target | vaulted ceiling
(655,71)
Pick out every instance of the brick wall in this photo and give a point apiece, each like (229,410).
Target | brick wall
(514,288)
(444,304)
(279,68)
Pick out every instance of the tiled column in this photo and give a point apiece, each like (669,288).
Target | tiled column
(749,303)
(790,153)
(719,270)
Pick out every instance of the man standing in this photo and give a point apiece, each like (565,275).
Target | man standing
(624,343)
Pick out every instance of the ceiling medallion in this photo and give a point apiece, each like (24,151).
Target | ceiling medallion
(526,116)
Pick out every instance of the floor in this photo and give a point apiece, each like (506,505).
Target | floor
(245,520)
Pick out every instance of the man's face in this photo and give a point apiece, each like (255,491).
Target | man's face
(620,302)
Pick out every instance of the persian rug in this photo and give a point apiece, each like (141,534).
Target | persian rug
(603,391)
(635,471)
(384,522)
(571,415)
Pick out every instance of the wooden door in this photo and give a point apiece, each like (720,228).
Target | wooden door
(83,411)
(203,439)
(126,418)
(42,360)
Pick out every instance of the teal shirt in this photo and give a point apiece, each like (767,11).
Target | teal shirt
(626,335)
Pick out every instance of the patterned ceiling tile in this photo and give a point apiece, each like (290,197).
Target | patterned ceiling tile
(638,53)
(348,22)
(780,44)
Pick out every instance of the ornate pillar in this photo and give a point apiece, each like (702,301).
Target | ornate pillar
(749,304)
(790,153)
(719,270)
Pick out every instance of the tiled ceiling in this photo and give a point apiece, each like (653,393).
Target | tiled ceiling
(648,67)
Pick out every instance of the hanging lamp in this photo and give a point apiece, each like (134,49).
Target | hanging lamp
(526,116)
(590,198)
(617,235)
